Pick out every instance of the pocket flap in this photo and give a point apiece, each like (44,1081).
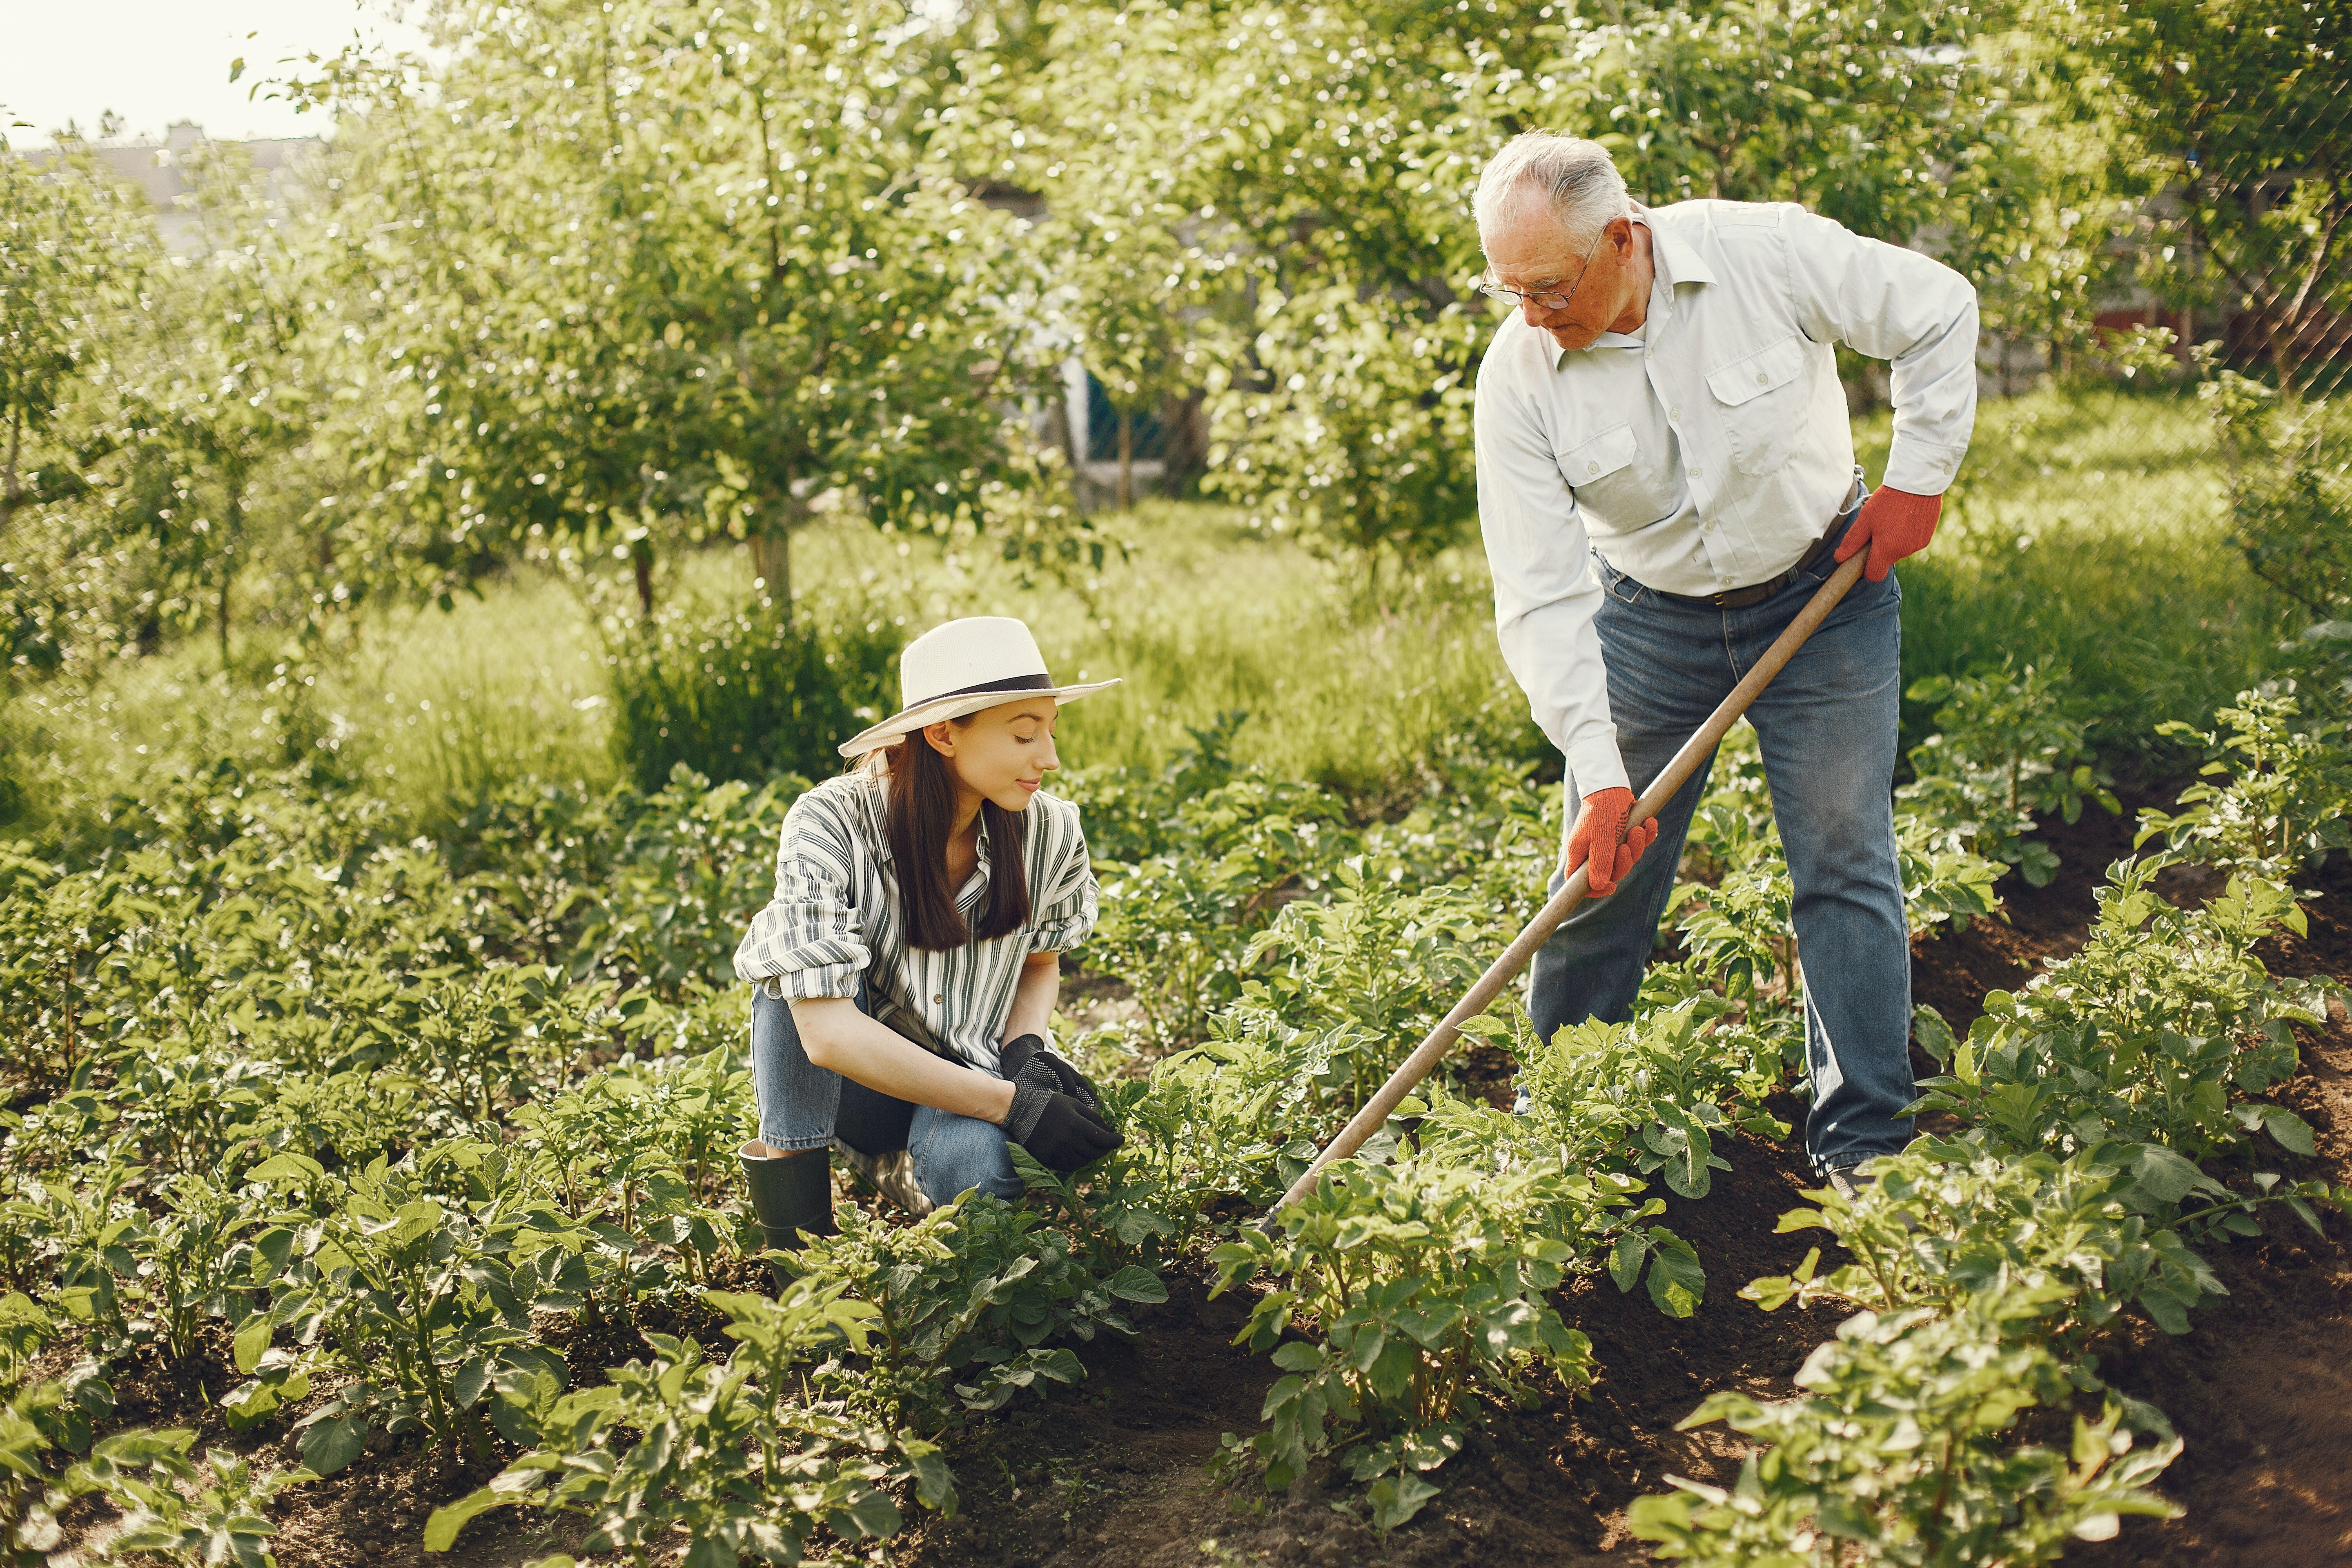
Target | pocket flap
(1759,372)
(1599,458)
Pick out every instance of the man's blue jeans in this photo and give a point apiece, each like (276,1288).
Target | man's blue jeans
(1828,727)
(804,1106)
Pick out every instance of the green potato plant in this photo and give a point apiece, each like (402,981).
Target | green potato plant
(724,1453)
(2010,749)
(1899,1451)
(420,1299)
(970,1300)
(1948,1220)
(1423,1285)
(2286,794)
(174,1517)
(2158,1030)
(190,1259)
(1177,924)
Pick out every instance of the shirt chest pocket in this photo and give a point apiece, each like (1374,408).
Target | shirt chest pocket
(1596,459)
(1761,398)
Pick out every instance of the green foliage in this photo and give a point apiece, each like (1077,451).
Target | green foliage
(1900,1451)
(1369,972)
(2232,110)
(208,1525)
(720,1452)
(1178,923)
(1947,1221)
(2155,1032)
(1735,915)
(966,1299)
(2010,749)
(2290,507)
(1353,427)
(783,287)
(2288,790)
(746,691)
(1647,1097)
(1426,1283)
(684,881)
(416,1283)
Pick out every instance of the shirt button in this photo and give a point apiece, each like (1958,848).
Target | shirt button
(937,997)
(1674,413)
(1697,470)
(1761,378)
(1592,467)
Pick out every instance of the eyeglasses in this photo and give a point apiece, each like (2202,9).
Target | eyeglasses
(1544,299)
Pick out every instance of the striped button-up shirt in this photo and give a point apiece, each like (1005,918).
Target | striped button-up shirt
(837,919)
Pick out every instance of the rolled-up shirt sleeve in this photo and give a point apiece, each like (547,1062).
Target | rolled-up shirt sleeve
(1909,310)
(1544,591)
(1065,916)
(807,943)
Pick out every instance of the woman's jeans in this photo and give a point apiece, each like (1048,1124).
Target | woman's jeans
(1828,727)
(804,1106)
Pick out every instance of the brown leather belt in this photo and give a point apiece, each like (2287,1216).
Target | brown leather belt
(1757,593)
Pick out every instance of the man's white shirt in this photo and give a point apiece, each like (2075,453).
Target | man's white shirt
(1708,451)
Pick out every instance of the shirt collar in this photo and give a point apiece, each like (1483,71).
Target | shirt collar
(1677,263)
(879,802)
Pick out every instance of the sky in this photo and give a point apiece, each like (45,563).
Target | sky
(155,61)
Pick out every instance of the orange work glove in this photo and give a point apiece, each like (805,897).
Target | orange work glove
(1894,523)
(1603,823)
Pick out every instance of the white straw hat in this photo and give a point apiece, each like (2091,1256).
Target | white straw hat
(960,668)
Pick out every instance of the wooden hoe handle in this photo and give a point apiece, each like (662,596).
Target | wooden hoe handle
(1506,969)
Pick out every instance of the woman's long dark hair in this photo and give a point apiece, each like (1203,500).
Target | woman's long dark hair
(921,811)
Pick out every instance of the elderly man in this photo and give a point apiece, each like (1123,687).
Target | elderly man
(1665,475)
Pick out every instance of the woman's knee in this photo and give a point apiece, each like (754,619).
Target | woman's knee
(958,1153)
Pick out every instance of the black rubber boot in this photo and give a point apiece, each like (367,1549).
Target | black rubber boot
(790,1193)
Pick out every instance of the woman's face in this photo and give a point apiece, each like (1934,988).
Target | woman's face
(1004,752)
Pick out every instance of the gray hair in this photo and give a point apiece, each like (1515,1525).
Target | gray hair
(1572,178)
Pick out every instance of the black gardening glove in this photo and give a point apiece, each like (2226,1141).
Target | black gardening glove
(1062,1131)
(1018,1054)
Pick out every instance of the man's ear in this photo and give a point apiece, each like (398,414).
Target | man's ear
(942,737)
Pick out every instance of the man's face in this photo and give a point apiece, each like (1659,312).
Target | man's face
(1533,254)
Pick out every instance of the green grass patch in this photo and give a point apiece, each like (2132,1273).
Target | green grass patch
(2089,532)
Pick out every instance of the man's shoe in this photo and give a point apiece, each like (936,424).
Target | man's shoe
(1848,1180)
(790,1193)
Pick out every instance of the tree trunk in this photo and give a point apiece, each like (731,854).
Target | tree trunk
(228,570)
(235,516)
(641,563)
(10,488)
(1125,457)
(771,559)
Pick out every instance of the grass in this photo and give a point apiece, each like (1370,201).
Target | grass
(432,711)
(2088,531)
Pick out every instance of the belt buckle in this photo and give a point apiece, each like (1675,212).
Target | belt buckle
(1717,599)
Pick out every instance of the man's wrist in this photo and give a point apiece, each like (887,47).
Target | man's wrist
(997,1100)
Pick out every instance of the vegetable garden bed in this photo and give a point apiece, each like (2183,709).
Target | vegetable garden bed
(302,1175)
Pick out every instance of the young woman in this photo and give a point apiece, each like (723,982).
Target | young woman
(905,971)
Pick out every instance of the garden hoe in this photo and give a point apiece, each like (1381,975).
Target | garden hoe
(1506,969)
